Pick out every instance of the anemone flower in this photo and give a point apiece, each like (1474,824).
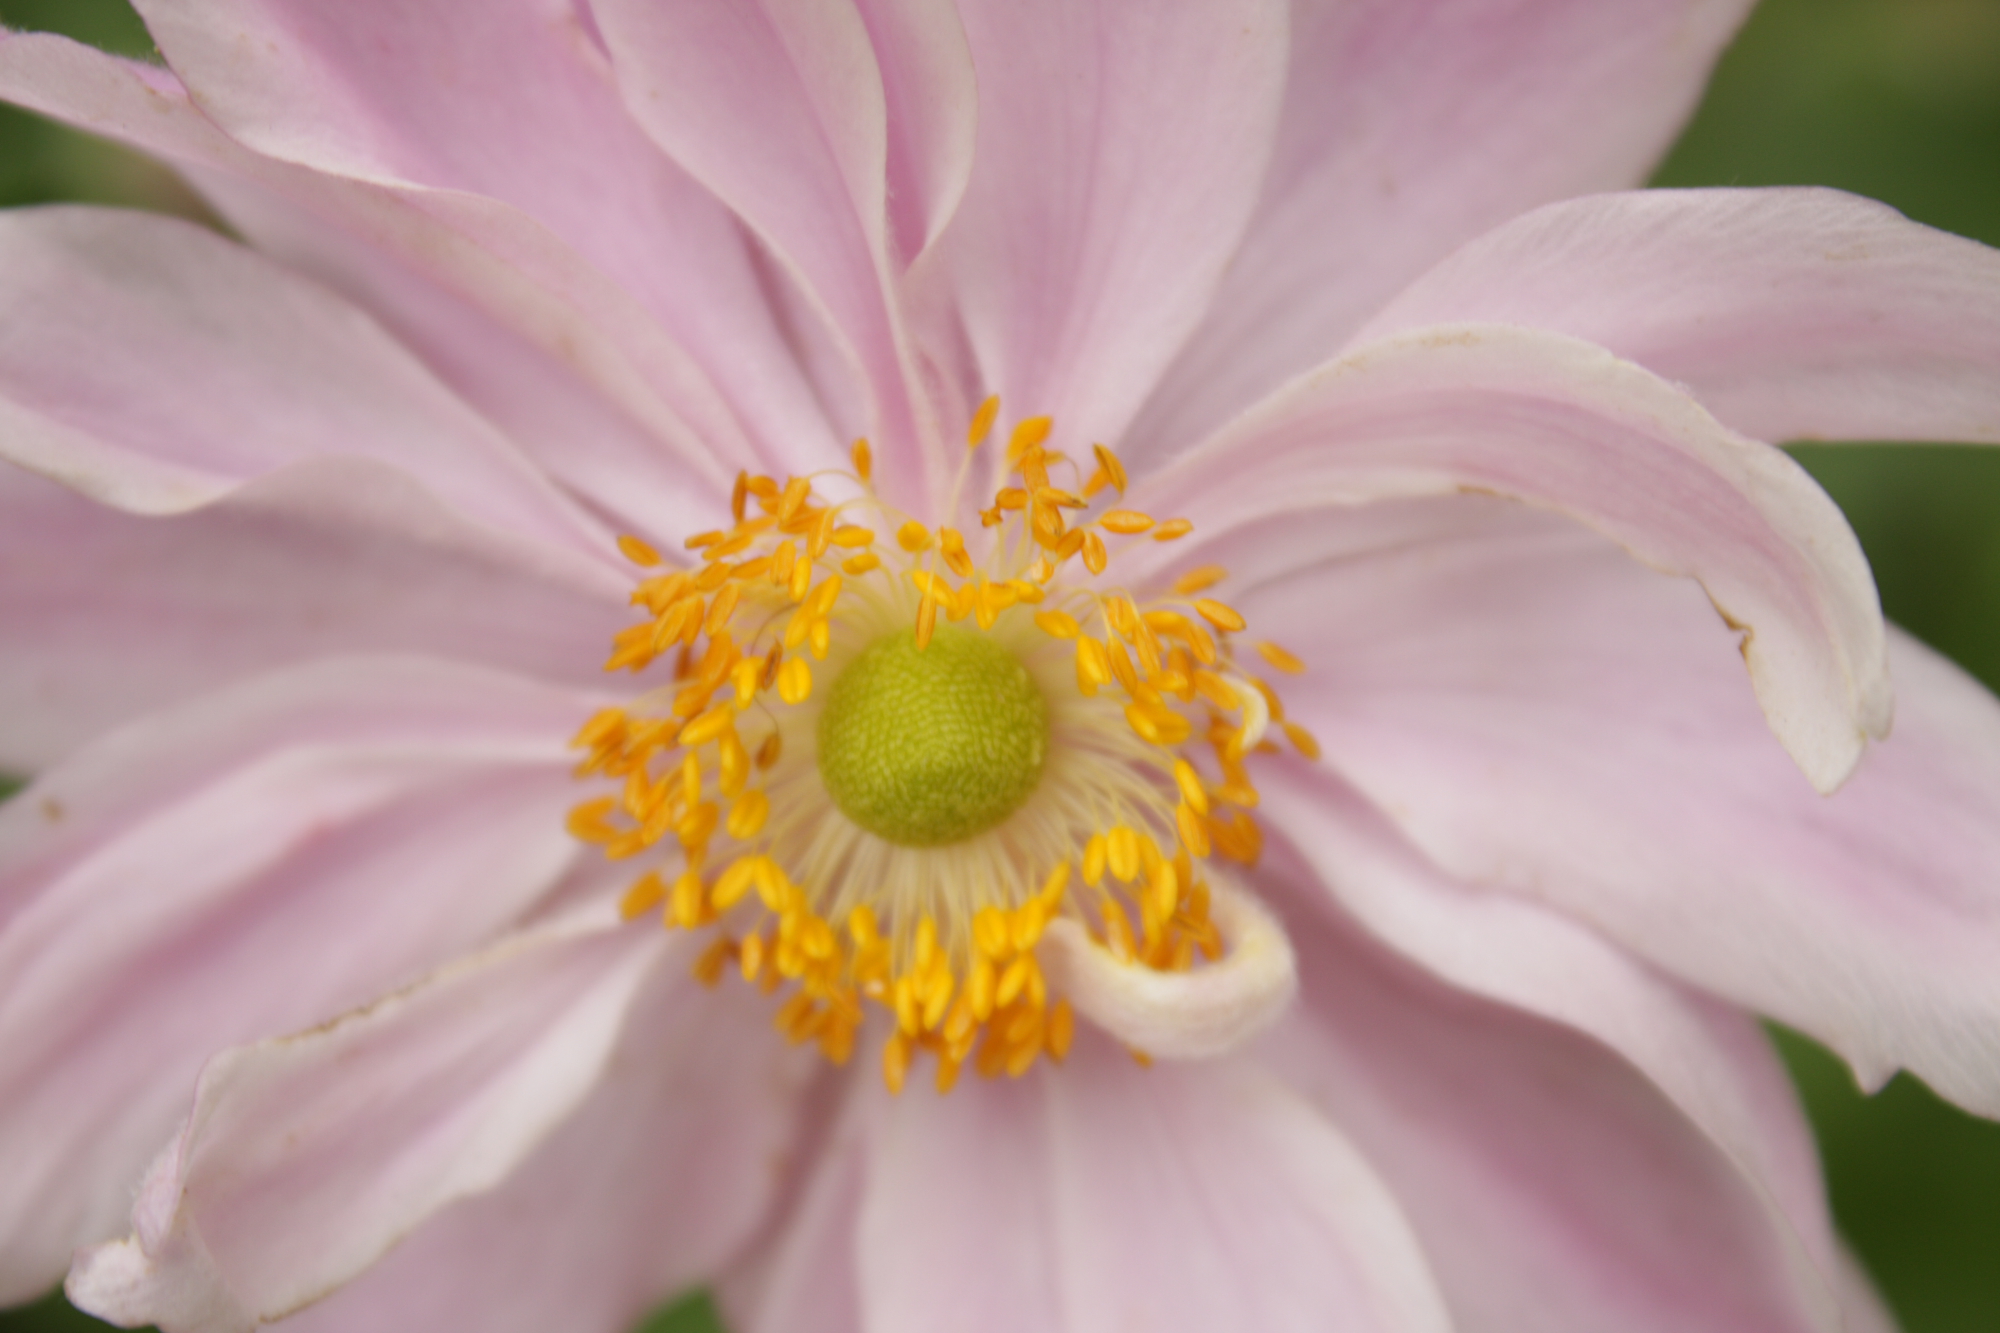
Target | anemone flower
(986,666)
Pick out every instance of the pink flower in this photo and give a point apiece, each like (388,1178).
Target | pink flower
(312,565)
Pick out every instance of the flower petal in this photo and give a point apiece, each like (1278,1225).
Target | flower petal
(1120,149)
(155,365)
(249,863)
(781,110)
(483,253)
(652,1185)
(307,1157)
(1408,130)
(1539,716)
(112,614)
(1565,426)
(1790,314)
(1552,1185)
(519,107)
(1181,1015)
(1109,1196)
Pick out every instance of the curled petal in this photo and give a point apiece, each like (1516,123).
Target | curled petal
(1181,1015)
(1791,314)
(307,1157)
(1559,424)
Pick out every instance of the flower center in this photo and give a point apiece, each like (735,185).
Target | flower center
(926,746)
(1003,745)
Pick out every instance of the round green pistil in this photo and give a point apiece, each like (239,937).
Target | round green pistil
(925,746)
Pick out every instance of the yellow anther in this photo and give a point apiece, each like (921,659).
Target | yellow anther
(1189,782)
(746,817)
(1061,1030)
(1114,470)
(1095,557)
(721,609)
(1094,851)
(1125,522)
(849,536)
(982,422)
(753,956)
(1222,617)
(1093,670)
(1014,980)
(735,884)
(743,679)
(1280,659)
(795,681)
(701,539)
(1011,498)
(768,752)
(989,932)
(782,562)
(864,460)
(801,580)
(1200,579)
(1217,691)
(796,491)
(824,596)
(913,537)
(856,565)
(646,893)
(1121,847)
(1028,434)
(947,1074)
(896,1061)
(1193,829)
(638,552)
(707,727)
(1302,740)
(820,536)
(1171,529)
(952,545)
(708,967)
(732,764)
(980,986)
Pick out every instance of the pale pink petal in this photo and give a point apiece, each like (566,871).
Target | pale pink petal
(781,111)
(932,111)
(1563,425)
(1552,1186)
(1540,716)
(246,864)
(1104,1195)
(519,107)
(1790,314)
(484,252)
(807,1273)
(153,365)
(1411,126)
(651,1186)
(1120,148)
(306,1158)
(113,614)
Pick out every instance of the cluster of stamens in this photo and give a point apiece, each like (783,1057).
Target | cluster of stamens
(944,938)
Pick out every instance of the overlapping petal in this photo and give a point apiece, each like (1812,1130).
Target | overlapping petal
(1791,314)
(1562,425)
(694,1104)
(1409,129)
(250,863)
(1096,1212)
(486,254)
(1542,717)
(1554,1185)
(111,614)
(1085,250)
(306,1158)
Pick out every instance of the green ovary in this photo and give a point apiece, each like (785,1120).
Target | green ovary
(927,746)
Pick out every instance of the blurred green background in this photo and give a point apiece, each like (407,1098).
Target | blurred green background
(1897,99)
